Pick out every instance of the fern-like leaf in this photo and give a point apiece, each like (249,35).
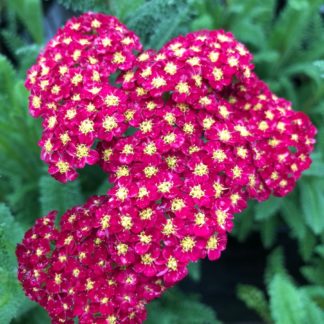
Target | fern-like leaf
(312,200)
(12,300)
(31,15)
(286,304)
(177,308)
(255,299)
(57,196)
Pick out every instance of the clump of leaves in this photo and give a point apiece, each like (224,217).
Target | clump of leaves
(285,301)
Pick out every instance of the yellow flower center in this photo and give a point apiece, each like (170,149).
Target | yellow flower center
(168,228)
(218,74)
(147,259)
(201,169)
(105,222)
(58,279)
(145,239)
(170,68)
(221,216)
(122,193)
(212,243)
(36,101)
(146,214)
(126,222)
(183,87)
(82,151)
(86,126)
(77,78)
(63,166)
(150,171)
(172,263)
(177,204)
(122,171)
(122,248)
(158,82)
(224,135)
(200,219)
(118,58)
(164,186)
(197,192)
(187,244)
(150,149)
(109,123)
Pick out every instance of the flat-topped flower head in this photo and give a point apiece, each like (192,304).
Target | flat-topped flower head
(220,116)
(70,89)
(106,261)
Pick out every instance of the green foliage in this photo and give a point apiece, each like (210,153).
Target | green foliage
(57,196)
(103,188)
(286,302)
(269,230)
(124,8)
(313,313)
(316,168)
(86,5)
(154,21)
(12,300)
(177,308)
(36,315)
(267,209)
(293,216)
(275,265)
(255,299)
(312,200)
(314,272)
(244,223)
(307,245)
(19,154)
(195,271)
(26,55)
(316,293)
(19,173)
(11,40)
(30,14)
(167,17)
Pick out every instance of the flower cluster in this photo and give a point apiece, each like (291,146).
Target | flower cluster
(209,136)
(204,115)
(105,263)
(70,90)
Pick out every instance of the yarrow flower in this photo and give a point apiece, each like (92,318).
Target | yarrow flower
(104,264)
(70,90)
(217,120)
(208,135)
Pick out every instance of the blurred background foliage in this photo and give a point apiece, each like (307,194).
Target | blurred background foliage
(287,40)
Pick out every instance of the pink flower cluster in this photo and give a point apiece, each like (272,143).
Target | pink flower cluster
(84,274)
(70,90)
(105,263)
(204,115)
(209,136)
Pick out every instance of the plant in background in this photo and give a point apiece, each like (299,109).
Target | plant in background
(287,302)
(209,135)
